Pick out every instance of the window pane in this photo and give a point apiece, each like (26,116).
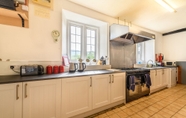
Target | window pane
(90,55)
(72,38)
(78,47)
(92,33)
(78,39)
(78,31)
(88,40)
(88,48)
(72,30)
(88,32)
(93,41)
(92,48)
(73,46)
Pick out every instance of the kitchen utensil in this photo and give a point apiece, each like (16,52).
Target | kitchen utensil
(31,70)
(81,67)
(73,67)
(49,69)
(61,69)
(55,69)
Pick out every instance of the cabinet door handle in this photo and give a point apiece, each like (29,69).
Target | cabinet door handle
(156,72)
(26,91)
(17,96)
(90,81)
(112,78)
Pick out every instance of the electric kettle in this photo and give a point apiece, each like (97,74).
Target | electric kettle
(81,67)
(73,67)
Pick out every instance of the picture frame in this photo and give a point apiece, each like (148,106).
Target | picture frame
(46,3)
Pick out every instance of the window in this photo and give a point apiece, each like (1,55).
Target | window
(82,41)
(145,51)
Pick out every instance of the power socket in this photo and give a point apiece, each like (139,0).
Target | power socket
(11,67)
(16,67)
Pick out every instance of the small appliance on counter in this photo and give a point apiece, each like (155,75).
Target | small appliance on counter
(26,70)
(73,67)
(81,67)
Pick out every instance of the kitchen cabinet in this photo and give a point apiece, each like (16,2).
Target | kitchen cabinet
(42,99)
(82,94)
(11,100)
(15,18)
(101,90)
(159,79)
(76,95)
(118,86)
(173,77)
(108,89)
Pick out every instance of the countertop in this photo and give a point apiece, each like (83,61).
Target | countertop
(18,78)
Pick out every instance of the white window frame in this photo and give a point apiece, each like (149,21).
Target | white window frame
(84,28)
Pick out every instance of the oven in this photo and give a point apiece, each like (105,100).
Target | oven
(137,83)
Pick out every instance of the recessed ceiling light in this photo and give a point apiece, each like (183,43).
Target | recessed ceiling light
(165,5)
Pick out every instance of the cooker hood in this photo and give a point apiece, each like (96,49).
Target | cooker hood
(121,33)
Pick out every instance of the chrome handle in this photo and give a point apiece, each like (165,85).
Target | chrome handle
(17,96)
(90,81)
(26,91)
(112,78)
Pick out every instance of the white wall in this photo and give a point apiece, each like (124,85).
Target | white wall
(22,45)
(174,47)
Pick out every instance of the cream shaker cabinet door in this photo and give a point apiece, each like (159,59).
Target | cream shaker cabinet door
(101,90)
(159,78)
(11,100)
(153,74)
(118,87)
(76,96)
(165,77)
(42,99)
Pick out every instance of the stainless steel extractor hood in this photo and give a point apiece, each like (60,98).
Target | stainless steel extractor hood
(122,34)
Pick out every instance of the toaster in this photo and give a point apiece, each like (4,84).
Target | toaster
(26,70)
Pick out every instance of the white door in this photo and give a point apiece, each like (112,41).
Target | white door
(42,99)
(173,76)
(153,74)
(101,90)
(159,78)
(118,87)
(76,96)
(165,77)
(11,100)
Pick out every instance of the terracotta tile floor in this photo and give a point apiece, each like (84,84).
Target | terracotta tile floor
(168,103)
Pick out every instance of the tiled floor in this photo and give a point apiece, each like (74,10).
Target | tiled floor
(168,103)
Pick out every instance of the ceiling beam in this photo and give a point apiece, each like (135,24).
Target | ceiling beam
(175,31)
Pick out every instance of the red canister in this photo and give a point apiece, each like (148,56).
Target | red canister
(55,69)
(49,69)
(61,69)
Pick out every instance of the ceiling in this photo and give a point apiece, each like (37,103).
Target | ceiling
(144,13)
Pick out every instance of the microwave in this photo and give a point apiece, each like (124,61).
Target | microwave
(170,63)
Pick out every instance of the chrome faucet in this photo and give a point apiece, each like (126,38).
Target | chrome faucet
(148,63)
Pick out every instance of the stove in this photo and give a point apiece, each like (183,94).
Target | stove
(135,70)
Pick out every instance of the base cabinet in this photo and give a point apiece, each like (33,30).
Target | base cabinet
(159,79)
(42,99)
(118,87)
(11,100)
(82,94)
(76,96)
(162,78)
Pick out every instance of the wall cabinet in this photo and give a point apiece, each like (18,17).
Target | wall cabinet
(15,18)
(81,94)
(11,100)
